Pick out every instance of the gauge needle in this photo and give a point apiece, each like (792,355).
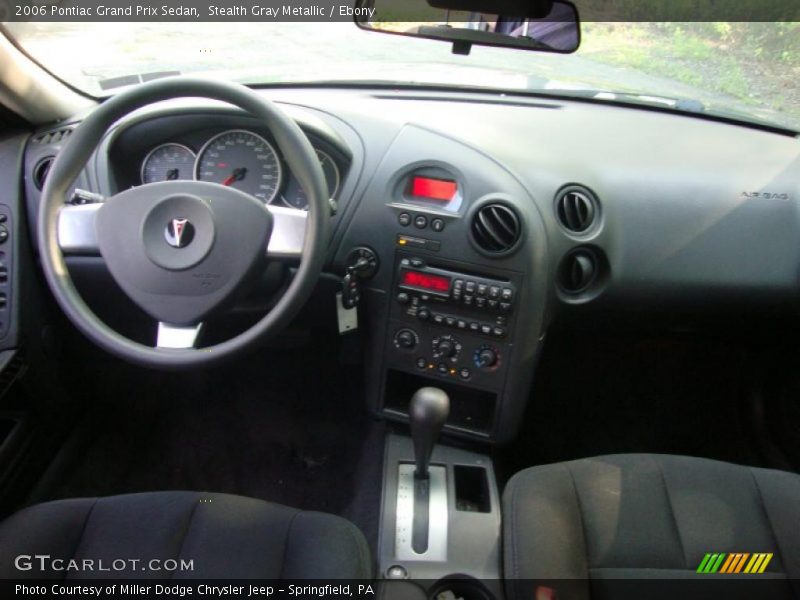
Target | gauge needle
(172,174)
(237,175)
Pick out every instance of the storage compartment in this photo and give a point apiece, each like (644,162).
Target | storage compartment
(470,409)
(472,489)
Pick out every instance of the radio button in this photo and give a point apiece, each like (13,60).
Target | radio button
(424,314)
(507,294)
(417,262)
(420,221)
(482,287)
(403,298)
(443,368)
(505,306)
(494,292)
(474,326)
(486,329)
(439,319)
(462,324)
(468,300)
(493,304)
(422,363)
(458,284)
(404,219)
(480,302)
(499,332)
(470,287)
(437,225)
(450,321)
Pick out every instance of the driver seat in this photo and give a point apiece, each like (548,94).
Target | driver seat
(225,537)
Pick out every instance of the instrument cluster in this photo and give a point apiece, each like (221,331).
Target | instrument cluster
(241,159)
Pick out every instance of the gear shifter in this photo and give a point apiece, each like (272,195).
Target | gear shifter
(427,412)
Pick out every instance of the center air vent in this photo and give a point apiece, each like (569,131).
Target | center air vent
(41,170)
(579,271)
(496,228)
(576,209)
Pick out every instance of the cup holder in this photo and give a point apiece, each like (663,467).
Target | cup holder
(460,587)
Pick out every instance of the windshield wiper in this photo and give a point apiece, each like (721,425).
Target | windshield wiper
(640,98)
(135,79)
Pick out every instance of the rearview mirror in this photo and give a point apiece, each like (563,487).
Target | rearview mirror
(462,23)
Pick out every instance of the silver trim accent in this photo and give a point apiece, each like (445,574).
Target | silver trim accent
(77,235)
(270,146)
(437,520)
(288,232)
(177,337)
(76,229)
(153,151)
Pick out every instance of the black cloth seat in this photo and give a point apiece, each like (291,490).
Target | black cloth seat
(646,516)
(225,536)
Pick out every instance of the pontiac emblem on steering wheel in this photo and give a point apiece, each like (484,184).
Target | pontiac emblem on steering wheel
(179,233)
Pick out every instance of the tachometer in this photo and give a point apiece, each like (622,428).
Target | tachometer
(243,160)
(168,162)
(295,197)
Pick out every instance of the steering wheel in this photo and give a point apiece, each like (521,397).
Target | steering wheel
(181,250)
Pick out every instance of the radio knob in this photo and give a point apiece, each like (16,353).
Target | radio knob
(423,314)
(406,339)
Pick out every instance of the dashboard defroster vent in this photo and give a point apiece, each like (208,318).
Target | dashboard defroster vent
(579,271)
(576,209)
(41,170)
(496,228)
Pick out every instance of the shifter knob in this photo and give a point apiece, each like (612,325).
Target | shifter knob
(427,412)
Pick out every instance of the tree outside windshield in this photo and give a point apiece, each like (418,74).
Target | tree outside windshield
(749,68)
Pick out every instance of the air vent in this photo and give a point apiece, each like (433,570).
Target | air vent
(496,228)
(41,170)
(579,271)
(53,137)
(576,209)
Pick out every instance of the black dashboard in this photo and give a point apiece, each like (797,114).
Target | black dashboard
(490,217)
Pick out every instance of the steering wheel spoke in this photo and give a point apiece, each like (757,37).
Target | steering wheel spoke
(76,229)
(288,232)
(178,337)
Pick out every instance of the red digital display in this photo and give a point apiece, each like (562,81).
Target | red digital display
(436,283)
(433,189)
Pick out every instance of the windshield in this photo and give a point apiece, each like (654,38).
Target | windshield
(747,71)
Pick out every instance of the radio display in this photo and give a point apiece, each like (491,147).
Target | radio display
(426,281)
(433,189)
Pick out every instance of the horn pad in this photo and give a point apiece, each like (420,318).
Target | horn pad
(181,249)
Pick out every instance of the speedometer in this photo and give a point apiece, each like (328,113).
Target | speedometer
(168,162)
(242,160)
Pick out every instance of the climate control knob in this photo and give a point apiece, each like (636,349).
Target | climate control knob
(486,357)
(446,347)
(406,339)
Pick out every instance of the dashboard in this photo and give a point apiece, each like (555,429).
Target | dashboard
(487,220)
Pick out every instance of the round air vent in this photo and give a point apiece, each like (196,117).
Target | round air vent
(41,170)
(496,228)
(576,208)
(579,271)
